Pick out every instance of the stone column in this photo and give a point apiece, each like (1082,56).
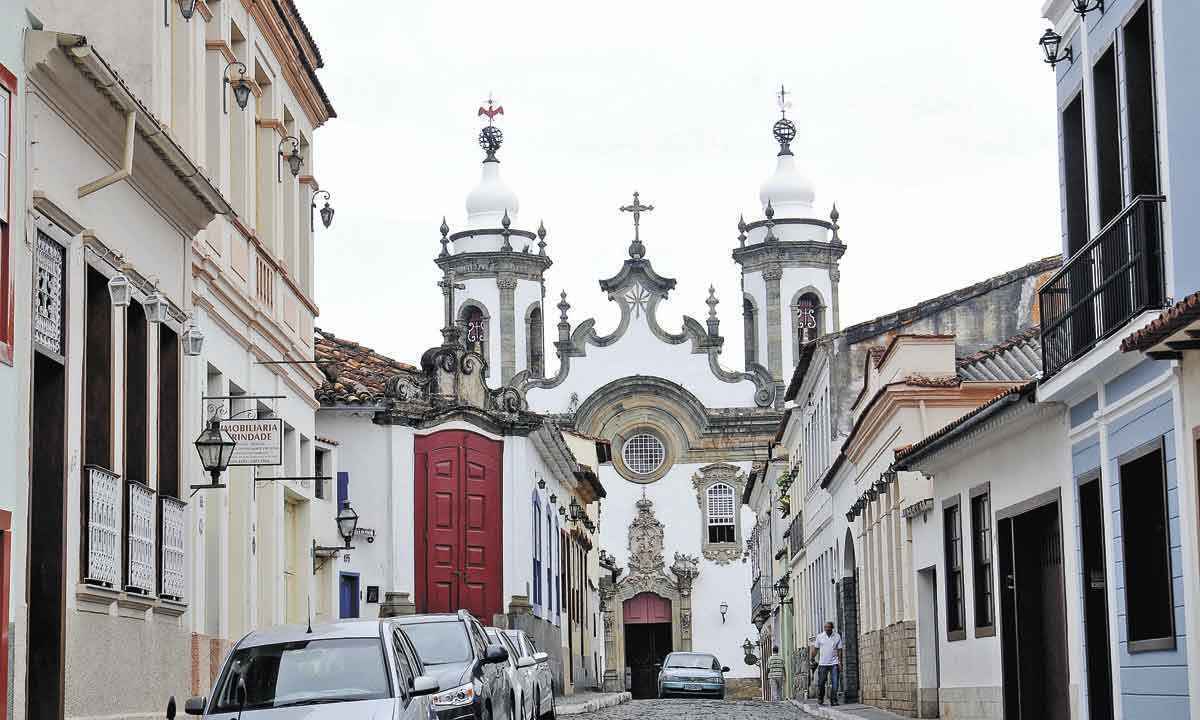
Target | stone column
(835,275)
(508,327)
(772,275)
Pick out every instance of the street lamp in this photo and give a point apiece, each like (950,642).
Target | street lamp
(1083,7)
(193,340)
(347,523)
(748,649)
(156,307)
(118,290)
(781,590)
(293,158)
(326,212)
(215,447)
(187,8)
(577,513)
(241,88)
(1050,42)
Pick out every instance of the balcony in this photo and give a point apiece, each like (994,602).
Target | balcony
(1111,280)
(762,598)
(795,536)
(171,530)
(103,527)
(141,524)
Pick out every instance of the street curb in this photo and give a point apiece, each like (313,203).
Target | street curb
(594,704)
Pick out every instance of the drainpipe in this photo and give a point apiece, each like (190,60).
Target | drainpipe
(126,160)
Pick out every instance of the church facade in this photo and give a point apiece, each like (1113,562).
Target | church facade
(675,433)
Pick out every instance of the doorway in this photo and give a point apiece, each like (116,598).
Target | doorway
(348,595)
(44,688)
(929,668)
(647,641)
(459,531)
(1033,611)
(1095,600)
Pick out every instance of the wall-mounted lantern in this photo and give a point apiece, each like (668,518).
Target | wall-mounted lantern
(347,523)
(156,307)
(782,589)
(241,87)
(294,161)
(1083,7)
(187,8)
(215,447)
(193,340)
(118,290)
(326,212)
(1051,42)
(724,611)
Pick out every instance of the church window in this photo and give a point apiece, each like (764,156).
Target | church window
(750,321)
(643,453)
(807,314)
(720,514)
(536,352)
(474,327)
(719,488)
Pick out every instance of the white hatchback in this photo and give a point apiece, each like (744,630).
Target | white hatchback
(366,669)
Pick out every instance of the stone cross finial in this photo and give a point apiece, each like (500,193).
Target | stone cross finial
(636,249)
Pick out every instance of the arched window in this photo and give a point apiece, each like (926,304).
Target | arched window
(808,318)
(537,552)
(721,511)
(550,563)
(474,322)
(536,350)
(750,330)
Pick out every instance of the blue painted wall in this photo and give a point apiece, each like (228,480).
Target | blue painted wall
(1181,27)
(1153,685)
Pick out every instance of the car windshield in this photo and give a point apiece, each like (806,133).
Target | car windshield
(306,672)
(692,661)
(439,643)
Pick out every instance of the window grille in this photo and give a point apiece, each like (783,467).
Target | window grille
(141,539)
(104,512)
(721,511)
(643,453)
(172,548)
(48,295)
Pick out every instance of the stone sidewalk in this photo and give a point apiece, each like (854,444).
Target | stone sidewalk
(588,702)
(853,711)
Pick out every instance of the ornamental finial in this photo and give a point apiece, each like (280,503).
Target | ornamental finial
(445,230)
(833,217)
(784,130)
(742,230)
(541,233)
(490,137)
(506,222)
(636,249)
(563,306)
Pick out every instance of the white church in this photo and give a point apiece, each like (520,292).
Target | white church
(613,476)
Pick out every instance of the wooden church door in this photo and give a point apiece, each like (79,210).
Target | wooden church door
(459,536)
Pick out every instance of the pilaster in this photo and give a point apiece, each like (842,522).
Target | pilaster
(772,275)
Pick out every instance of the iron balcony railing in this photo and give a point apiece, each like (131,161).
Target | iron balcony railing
(795,535)
(171,529)
(1115,277)
(141,521)
(762,597)
(103,527)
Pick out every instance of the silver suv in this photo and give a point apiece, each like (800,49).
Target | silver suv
(365,669)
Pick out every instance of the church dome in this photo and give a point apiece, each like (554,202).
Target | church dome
(490,199)
(788,190)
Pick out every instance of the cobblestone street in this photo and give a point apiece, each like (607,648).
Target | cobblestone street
(697,710)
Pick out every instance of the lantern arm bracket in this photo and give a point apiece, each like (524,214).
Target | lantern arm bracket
(292,478)
(322,554)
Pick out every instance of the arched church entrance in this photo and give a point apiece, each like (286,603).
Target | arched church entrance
(648,640)
(848,620)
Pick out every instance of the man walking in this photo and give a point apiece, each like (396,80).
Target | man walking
(776,673)
(827,651)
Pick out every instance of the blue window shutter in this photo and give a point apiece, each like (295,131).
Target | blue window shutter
(343,489)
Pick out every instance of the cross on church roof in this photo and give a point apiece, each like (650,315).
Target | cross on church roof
(636,249)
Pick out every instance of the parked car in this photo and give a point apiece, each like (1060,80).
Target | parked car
(688,673)
(539,677)
(471,670)
(522,698)
(358,669)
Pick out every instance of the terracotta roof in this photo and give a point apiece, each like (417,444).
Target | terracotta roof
(1017,359)
(905,456)
(355,374)
(1172,320)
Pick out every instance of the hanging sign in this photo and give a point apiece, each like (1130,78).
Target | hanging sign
(259,442)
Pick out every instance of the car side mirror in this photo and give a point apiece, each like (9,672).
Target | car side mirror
(424,685)
(725,669)
(541,657)
(526,661)
(495,654)
(195,705)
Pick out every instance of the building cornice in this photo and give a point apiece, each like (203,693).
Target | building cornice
(808,253)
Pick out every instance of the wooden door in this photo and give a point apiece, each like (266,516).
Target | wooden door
(459,563)
(348,595)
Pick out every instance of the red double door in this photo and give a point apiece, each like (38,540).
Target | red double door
(459,536)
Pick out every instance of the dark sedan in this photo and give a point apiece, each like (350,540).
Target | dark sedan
(694,674)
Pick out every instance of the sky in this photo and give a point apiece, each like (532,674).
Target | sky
(931,124)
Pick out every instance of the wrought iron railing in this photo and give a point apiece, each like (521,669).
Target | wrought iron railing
(1116,276)
(103,527)
(171,517)
(796,535)
(762,597)
(141,539)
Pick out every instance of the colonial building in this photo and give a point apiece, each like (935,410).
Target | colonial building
(834,397)
(1128,239)
(143,124)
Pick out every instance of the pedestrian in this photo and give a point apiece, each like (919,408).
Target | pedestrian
(776,673)
(827,651)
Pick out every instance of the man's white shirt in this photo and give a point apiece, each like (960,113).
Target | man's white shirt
(827,648)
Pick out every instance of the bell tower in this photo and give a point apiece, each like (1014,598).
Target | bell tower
(500,268)
(789,259)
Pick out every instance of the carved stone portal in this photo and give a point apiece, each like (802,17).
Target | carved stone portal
(648,572)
